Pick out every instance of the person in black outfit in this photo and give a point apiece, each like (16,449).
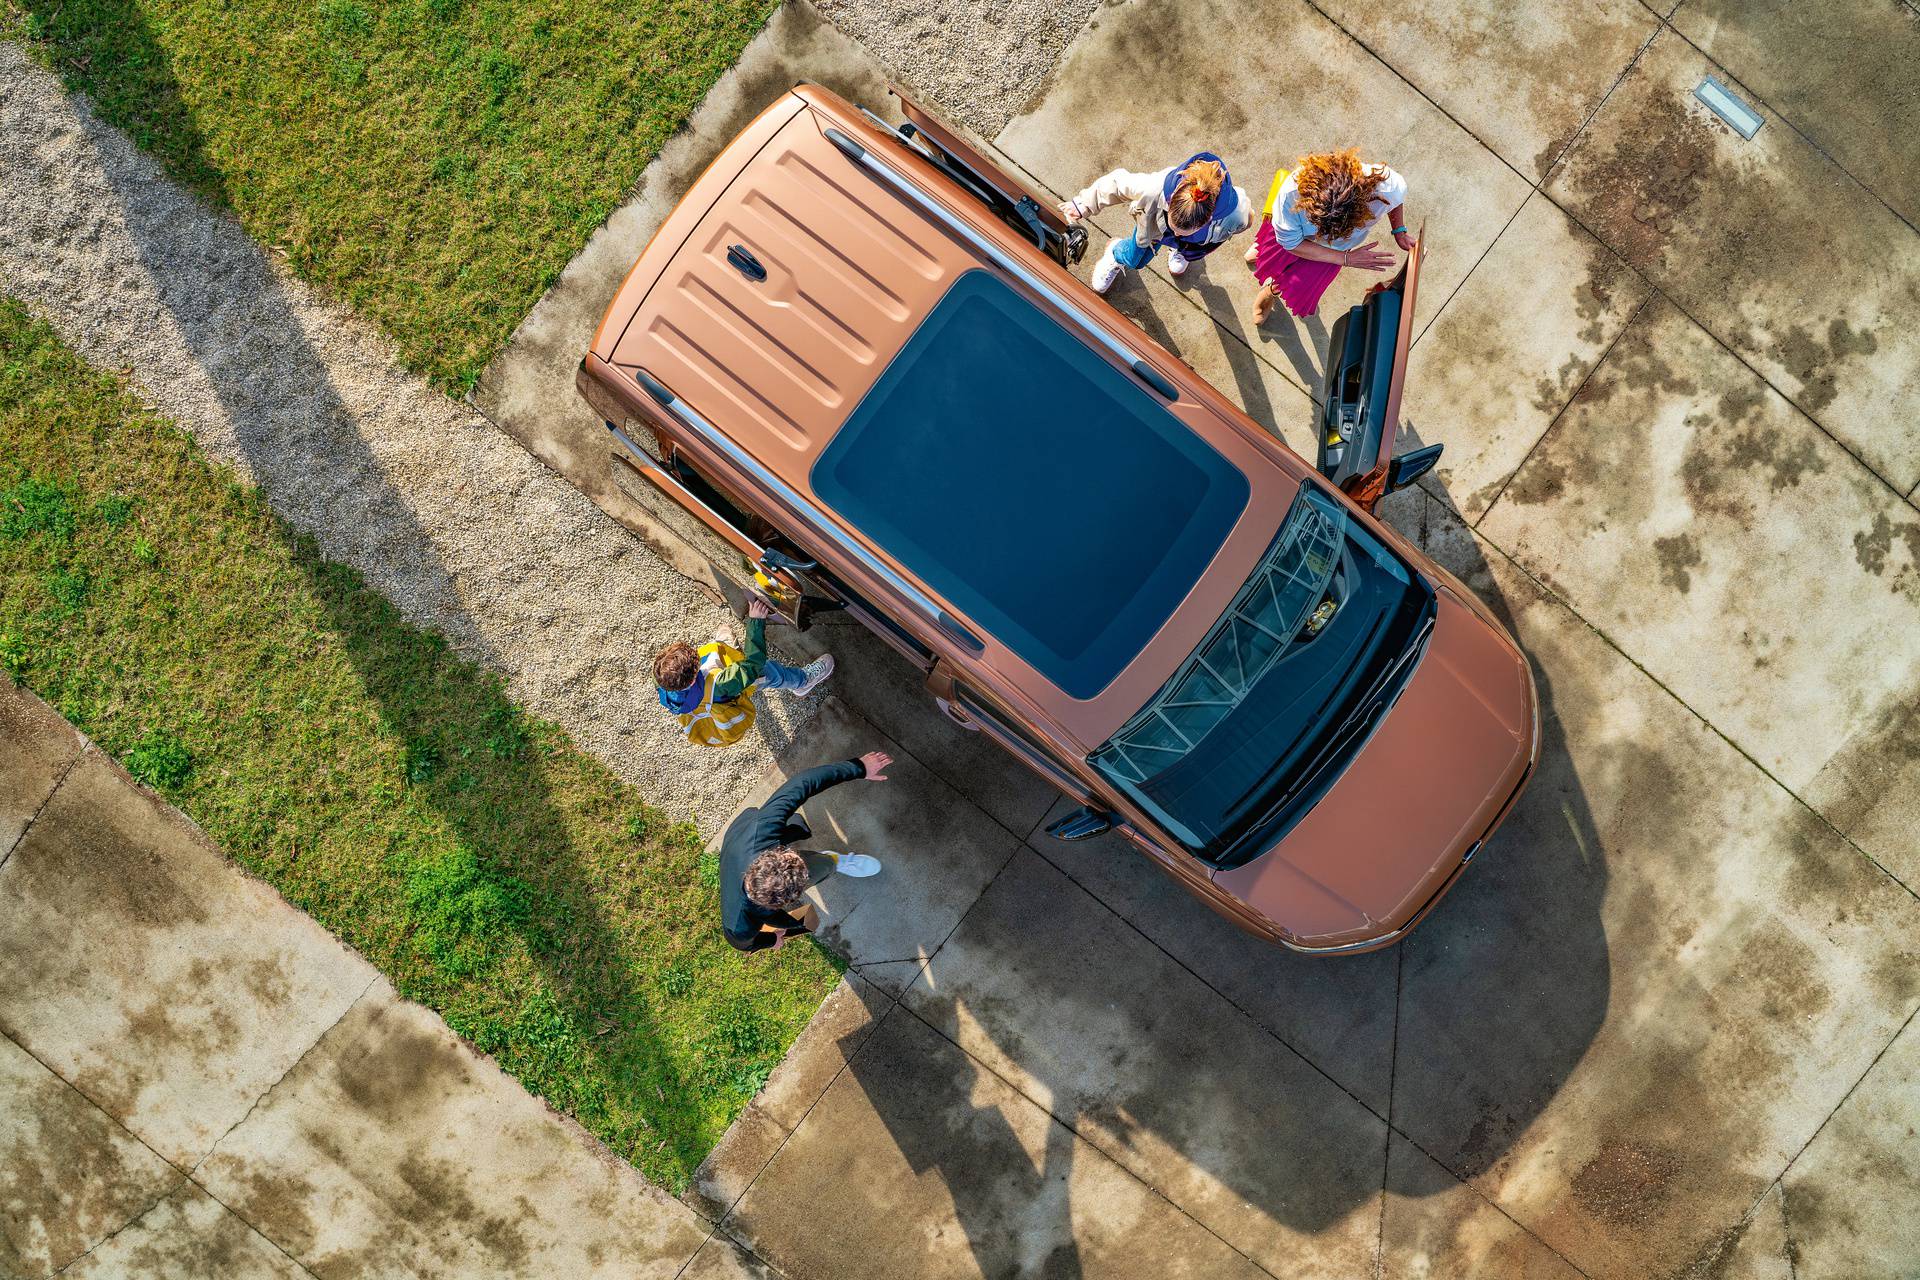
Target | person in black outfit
(762,876)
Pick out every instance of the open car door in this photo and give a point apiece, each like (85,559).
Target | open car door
(1360,412)
(1028,213)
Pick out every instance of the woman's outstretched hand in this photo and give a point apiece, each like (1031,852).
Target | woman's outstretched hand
(1404,239)
(1370,257)
(875,763)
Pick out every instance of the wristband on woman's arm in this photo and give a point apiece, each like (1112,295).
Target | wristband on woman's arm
(1399,231)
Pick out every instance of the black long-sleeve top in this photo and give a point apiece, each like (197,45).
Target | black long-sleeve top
(753,833)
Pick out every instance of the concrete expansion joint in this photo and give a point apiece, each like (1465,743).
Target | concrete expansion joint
(59,782)
(268,1092)
(144,1210)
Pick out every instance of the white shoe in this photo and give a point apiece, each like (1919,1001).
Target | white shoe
(817,671)
(1107,271)
(857,865)
(1178,262)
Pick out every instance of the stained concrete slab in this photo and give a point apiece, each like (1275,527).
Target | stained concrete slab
(36,749)
(1505,355)
(1317,88)
(188,1235)
(1768,243)
(920,1162)
(1660,978)
(1756,1249)
(1840,72)
(138,965)
(735,1161)
(1082,1014)
(937,850)
(1522,78)
(721,1259)
(528,389)
(1743,558)
(69,1176)
(832,1036)
(1455,1232)
(1337,1016)
(1851,1194)
(394,1148)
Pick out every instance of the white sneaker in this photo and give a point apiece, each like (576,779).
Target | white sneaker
(817,671)
(1178,262)
(1107,271)
(857,865)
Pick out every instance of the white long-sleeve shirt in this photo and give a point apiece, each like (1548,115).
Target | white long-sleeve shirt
(1142,192)
(1290,226)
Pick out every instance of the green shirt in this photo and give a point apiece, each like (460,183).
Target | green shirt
(733,679)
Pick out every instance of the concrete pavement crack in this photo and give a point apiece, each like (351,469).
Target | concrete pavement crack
(171,1187)
(60,782)
(268,1092)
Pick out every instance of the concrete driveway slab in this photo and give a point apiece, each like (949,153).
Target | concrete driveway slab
(1742,557)
(1757,1248)
(1662,976)
(188,1235)
(1767,242)
(938,851)
(1337,1016)
(1522,78)
(1062,1000)
(1510,348)
(1850,1196)
(1454,1232)
(69,1176)
(1149,82)
(1841,72)
(721,1259)
(921,1162)
(394,1148)
(36,749)
(138,966)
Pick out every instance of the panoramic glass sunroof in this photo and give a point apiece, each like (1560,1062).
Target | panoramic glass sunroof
(1046,494)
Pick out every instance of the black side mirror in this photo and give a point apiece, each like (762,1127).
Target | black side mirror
(1082,824)
(1408,467)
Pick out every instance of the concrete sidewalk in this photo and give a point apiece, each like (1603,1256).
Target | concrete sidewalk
(198,1081)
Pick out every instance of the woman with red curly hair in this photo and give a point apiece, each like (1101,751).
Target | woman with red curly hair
(1316,221)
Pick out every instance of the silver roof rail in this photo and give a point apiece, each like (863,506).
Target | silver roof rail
(1068,311)
(817,525)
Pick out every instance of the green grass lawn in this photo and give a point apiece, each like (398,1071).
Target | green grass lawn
(435,162)
(378,780)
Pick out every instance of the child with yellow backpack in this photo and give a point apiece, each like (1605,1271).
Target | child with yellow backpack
(710,690)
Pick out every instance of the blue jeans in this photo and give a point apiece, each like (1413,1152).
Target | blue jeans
(1128,253)
(777,675)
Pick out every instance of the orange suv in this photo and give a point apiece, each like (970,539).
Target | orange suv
(855,355)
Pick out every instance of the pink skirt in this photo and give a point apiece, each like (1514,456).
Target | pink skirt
(1300,281)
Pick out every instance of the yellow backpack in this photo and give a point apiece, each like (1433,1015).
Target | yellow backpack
(722,725)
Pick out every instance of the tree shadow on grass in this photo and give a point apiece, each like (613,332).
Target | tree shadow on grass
(585,1034)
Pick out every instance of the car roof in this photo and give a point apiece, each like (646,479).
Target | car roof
(803,341)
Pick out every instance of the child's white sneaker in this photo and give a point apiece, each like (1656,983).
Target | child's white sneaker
(1178,262)
(1107,271)
(817,672)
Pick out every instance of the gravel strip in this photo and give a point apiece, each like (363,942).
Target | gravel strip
(1011,47)
(453,521)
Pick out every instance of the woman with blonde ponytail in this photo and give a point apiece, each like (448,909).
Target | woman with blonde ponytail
(1191,208)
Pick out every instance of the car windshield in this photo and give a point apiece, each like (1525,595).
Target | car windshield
(1039,489)
(1277,697)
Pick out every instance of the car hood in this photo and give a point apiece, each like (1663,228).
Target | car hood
(1421,792)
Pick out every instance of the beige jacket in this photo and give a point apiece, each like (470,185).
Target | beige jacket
(1142,191)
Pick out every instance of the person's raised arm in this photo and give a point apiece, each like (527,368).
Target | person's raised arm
(734,678)
(802,787)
